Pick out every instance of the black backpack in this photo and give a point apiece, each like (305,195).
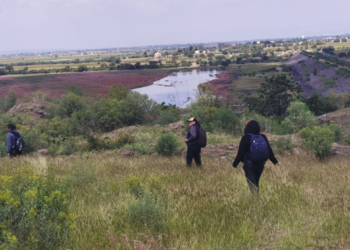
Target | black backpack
(20,145)
(202,138)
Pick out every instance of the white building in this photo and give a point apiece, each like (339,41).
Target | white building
(157,55)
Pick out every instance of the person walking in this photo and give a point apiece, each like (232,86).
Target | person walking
(193,147)
(15,143)
(254,150)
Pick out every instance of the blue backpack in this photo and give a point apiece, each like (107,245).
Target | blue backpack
(259,149)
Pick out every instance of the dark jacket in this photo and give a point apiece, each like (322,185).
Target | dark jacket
(193,136)
(11,141)
(244,146)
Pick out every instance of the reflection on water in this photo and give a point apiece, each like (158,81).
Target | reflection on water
(179,88)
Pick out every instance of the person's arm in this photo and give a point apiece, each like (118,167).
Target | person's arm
(272,157)
(193,133)
(243,147)
(9,143)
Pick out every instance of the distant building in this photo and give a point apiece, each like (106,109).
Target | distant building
(157,55)
(197,52)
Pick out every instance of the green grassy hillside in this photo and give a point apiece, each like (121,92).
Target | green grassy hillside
(153,202)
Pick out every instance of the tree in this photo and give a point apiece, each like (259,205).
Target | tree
(69,104)
(118,92)
(174,59)
(82,68)
(319,105)
(274,96)
(329,50)
(9,67)
(342,54)
(299,117)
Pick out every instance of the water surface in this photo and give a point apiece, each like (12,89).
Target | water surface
(180,88)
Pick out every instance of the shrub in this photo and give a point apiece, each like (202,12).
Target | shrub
(347,139)
(33,213)
(69,104)
(320,105)
(121,140)
(9,101)
(226,120)
(337,130)
(299,117)
(168,116)
(283,144)
(148,210)
(3,149)
(96,143)
(166,144)
(319,140)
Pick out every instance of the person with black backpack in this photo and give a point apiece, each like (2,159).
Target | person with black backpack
(196,139)
(254,150)
(15,142)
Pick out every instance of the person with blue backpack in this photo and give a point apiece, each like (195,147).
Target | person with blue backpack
(254,150)
(196,139)
(15,143)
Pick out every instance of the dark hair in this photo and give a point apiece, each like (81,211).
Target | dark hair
(252,127)
(11,126)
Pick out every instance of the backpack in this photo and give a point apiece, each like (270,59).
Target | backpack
(259,148)
(20,145)
(202,138)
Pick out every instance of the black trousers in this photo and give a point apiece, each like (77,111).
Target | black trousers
(253,173)
(193,152)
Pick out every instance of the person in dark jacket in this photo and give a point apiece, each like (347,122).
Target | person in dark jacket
(253,170)
(193,148)
(12,135)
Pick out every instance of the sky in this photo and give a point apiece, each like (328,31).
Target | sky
(92,24)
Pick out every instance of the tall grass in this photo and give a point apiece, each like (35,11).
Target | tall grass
(304,203)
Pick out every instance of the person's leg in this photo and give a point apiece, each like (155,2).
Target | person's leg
(258,169)
(251,176)
(189,157)
(197,157)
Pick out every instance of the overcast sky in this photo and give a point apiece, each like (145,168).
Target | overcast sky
(81,24)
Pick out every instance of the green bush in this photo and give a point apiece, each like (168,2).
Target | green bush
(337,130)
(9,101)
(226,120)
(166,144)
(148,209)
(319,140)
(299,117)
(347,139)
(320,105)
(283,144)
(33,213)
(121,140)
(168,116)
(3,148)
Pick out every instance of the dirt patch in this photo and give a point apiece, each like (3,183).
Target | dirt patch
(90,83)
(223,85)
